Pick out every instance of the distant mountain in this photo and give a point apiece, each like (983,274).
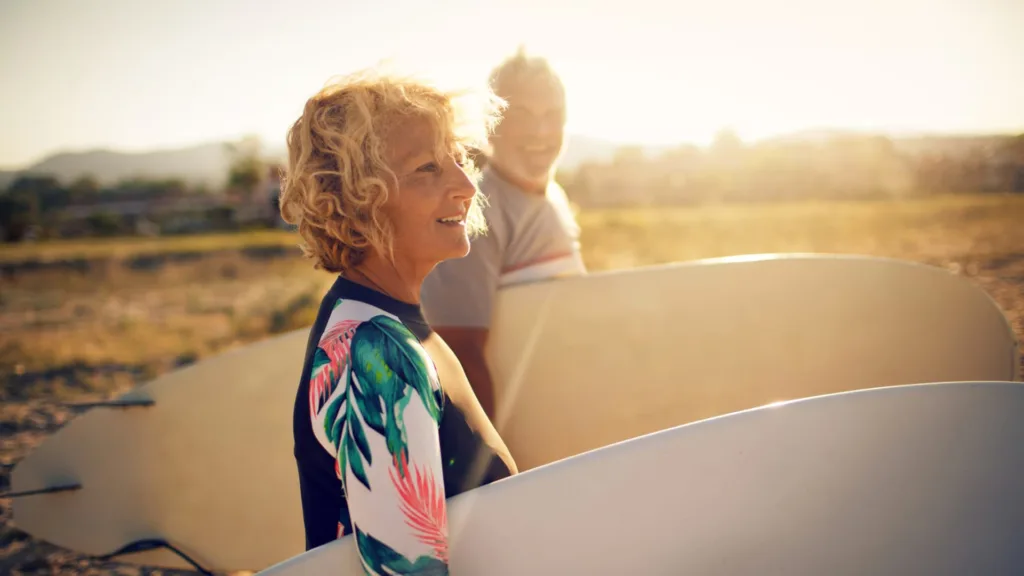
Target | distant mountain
(201,164)
(951,144)
(208,163)
(814,135)
(582,149)
(907,143)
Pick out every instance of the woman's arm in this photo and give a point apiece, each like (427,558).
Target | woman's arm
(385,430)
(468,345)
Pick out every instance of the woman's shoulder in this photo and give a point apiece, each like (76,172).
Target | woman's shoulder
(354,313)
(372,333)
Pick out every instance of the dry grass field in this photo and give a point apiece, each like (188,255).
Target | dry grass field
(84,321)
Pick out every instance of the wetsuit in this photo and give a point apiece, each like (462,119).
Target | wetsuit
(378,443)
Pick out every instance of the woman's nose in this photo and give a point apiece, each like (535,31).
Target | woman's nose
(462,187)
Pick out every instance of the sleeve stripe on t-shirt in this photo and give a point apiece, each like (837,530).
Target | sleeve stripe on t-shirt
(548,267)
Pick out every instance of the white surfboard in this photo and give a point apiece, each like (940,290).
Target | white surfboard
(583,362)
(587,362)
(921,480)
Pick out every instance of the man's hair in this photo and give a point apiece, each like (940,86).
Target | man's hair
(522,69)
(337,179)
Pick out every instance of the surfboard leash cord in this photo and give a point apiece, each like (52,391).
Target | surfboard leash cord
(142,403)
(131,548)
(153,544)
(47,490)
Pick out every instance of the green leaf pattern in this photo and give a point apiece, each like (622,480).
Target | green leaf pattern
(389,366)
(380,559)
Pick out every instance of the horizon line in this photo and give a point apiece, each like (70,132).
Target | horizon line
(570,135)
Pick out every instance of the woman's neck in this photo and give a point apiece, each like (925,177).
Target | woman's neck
(395,280)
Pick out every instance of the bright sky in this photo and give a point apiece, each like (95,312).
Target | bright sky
(133,75)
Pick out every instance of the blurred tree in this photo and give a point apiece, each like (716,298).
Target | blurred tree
(247,167)
(726,142)
(15,217)
(29,202)
(105,224)
(628,156)
(168,188)
(84,188)
(40,193)
(1012,164)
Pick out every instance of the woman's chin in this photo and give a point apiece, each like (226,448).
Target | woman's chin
(461,250)
(453,252)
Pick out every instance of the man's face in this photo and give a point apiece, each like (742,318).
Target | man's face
(528,140)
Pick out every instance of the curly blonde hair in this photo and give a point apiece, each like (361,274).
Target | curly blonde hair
(337,179)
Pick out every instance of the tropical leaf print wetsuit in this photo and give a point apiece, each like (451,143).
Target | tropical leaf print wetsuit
(379,447)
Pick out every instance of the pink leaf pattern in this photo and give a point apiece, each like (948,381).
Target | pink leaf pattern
(423,505)
(335,342)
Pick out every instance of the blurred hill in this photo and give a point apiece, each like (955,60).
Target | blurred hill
(585,149)
(202,164)
(208,163)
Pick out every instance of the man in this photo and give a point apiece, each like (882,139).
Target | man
(532,232)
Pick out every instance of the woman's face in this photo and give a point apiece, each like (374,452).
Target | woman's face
(429,211)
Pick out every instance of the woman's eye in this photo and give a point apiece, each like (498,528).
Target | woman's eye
(428,167)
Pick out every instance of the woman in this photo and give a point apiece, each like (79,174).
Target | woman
(386,426)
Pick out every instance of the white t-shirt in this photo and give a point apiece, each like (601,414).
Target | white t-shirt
(530,237)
